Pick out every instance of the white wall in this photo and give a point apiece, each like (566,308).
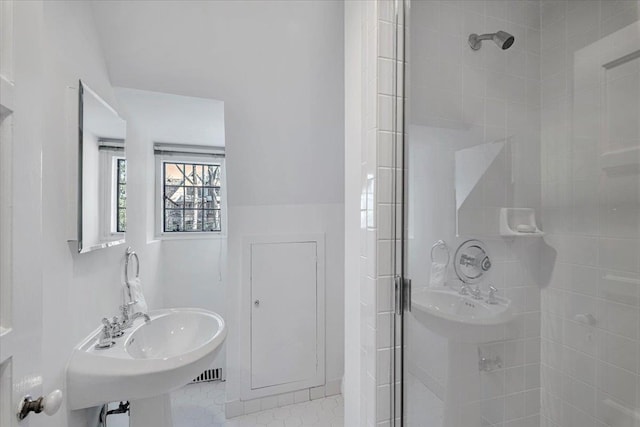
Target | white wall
(78,290)
(193,274)
(278,67)
(590,374)
(191,270)
(285,122)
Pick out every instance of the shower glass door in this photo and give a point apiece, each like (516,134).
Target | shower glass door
(521,214)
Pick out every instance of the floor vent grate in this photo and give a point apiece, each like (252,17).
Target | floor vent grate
(209,375)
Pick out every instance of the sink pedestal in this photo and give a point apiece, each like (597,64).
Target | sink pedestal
(465,322)
(461,403)
(153,411)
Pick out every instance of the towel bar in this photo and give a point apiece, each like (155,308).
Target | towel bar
(131,254)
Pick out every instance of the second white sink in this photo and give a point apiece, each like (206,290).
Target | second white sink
(460,317)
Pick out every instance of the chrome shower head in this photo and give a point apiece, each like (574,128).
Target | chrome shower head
(502,39)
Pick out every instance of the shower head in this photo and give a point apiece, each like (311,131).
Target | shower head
(503,39)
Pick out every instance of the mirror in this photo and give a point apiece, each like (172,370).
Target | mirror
(102,214)
(483,185)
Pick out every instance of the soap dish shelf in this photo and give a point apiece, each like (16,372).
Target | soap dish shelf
(511,218)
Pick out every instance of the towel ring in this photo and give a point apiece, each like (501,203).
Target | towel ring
(131,254)
(440,244)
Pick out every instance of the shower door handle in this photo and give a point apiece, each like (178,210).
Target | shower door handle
(402,294)
(406,297)
(397,294)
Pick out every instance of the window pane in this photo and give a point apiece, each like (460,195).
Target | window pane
(212,220)
(122,196)
(122,171)
(211,198)
(173,174)
(199,174)
(193,220)
(193,197)
(173,197)
(189,175)
(173,220)
(212,176)
(216,177)
(122,220)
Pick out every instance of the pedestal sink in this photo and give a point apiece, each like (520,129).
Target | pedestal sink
(149,361)
(465,322)
(461,317)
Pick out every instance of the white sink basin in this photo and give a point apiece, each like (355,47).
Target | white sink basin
(151,359)
(460,317)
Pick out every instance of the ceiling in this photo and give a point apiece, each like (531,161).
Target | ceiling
(209,48)
(175,118)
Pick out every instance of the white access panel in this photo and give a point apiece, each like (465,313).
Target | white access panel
(285,328)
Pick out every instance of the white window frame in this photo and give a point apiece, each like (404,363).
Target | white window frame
(160,159)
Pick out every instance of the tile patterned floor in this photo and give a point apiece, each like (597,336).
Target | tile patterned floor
(202,405)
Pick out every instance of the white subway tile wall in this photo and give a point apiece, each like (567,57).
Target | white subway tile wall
(461,98)
(558,370)
(589,372)
(377,210)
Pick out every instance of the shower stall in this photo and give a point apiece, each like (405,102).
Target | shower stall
(517,220)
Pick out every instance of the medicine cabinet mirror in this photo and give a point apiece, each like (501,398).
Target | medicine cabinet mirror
(102,194)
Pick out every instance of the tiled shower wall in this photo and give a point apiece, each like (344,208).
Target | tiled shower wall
(589,241)
(590,374)
(377,197)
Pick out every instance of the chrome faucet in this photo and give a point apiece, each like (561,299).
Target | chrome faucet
(492,295)
(128,318)
(475,292)
(133,317)
(464,289)
(106,335)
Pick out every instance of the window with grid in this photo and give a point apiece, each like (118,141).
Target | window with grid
(121,196)
(191,197)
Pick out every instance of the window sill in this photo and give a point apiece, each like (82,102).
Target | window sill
(191,236)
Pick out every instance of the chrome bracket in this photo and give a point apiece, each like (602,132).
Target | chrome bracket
(402,294)
(397,293)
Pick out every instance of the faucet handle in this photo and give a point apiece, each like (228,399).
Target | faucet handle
(116,327)
(107,324)
(464,289)
(492,295)
(476,293)
(105,340)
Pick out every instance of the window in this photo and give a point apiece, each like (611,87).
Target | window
(191,197)
(121,196)
(112,189)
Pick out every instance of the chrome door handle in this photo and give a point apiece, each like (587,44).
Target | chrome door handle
(406,298)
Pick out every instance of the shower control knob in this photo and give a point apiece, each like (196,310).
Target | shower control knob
(257,303)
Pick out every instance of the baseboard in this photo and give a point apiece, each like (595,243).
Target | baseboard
(236,408)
